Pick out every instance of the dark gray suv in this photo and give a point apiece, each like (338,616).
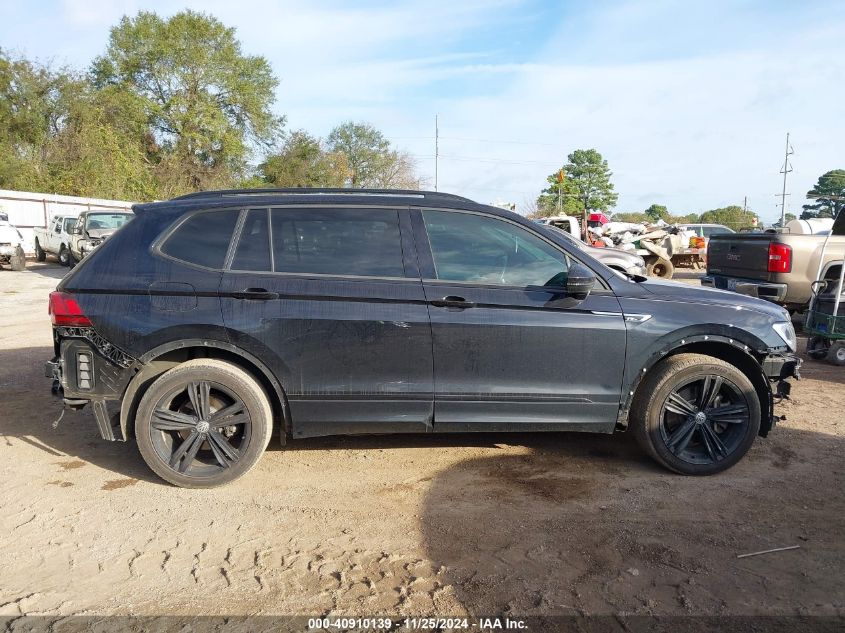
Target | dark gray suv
(215,320)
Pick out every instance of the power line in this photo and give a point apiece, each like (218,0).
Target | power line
(787,167)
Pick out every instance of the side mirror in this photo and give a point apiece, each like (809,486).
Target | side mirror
(579,281)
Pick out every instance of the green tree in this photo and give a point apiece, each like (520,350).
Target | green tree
(559,198)
(59,134)
(787,217)
(657,212)
(733,216)
(828,194)
(636,217)
(586,185)
(371,159)
(207,103)
(303,162)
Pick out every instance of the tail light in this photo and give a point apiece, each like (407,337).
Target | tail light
(780,258)
(64,310)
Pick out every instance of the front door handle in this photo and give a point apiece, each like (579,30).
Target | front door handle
(452,302)
(256,294)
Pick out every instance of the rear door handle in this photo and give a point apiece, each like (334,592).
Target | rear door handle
(452,302)
(256,294)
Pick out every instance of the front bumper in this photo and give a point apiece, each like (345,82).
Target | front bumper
(750,287)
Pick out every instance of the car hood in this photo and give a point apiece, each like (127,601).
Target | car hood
(9,233)
(677,291)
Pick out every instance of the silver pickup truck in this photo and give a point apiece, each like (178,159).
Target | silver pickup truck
(779,267)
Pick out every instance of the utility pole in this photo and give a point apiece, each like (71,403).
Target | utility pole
(787,167)
(436,149)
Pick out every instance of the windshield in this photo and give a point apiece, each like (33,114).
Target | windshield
(105,221)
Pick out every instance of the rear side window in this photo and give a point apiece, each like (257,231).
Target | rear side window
(358,242)
(203,239)
(253,250)
(716,230)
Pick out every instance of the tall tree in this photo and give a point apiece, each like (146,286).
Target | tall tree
(657,212)
(372,161)
(303,162)
(586,183)
(733,216)
(59,134)
(829,196)
(559,198)
(206,101)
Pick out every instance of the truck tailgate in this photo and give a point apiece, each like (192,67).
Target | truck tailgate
(736,255)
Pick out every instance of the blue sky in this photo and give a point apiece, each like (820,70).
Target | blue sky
(688,101)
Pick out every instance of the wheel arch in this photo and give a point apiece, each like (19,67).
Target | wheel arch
(162,358)
(729,350)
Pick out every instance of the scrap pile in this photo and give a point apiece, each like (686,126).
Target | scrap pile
(662,239)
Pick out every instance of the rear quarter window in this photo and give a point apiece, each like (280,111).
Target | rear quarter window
(202,239)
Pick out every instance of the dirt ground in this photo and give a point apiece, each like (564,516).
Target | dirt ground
(413,525)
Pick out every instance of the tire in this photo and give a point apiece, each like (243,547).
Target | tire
(40,254)
(71,260)
(817,347)
(204,462)
(18,260)
(675,434)
(64,256)
(659,267)
(836,355)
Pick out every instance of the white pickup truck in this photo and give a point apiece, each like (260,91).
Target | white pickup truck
(11,245)
(56,238)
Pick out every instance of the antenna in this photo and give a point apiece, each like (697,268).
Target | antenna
(436,149)
(787,167)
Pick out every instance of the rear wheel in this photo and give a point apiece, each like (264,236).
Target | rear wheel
(696,415)
(817,347)
(660,267)
(40,254)
(836,355)
(203,424)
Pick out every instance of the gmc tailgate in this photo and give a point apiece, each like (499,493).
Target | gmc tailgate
(742,256)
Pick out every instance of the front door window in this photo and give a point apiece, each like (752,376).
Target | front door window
(467,247)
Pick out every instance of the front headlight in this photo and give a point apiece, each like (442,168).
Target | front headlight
(787,333)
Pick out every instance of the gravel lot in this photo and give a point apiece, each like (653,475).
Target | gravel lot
(469,524)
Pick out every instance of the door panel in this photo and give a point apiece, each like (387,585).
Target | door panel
(510,358)
(526,357)
(352,353)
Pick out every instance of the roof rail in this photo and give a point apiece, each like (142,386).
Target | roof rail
(309,191)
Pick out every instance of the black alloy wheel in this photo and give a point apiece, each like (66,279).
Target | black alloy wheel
(199,429)
(704,420)
(203,423)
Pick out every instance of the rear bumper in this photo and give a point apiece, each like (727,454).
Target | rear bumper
(81,374)
(752,288)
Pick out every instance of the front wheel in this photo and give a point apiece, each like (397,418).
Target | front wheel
(203,424)
(64,256)
(659,267)
(696,414)
(18,260)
